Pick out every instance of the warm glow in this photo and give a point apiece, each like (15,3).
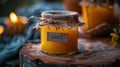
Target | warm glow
(13,17)
(1,30)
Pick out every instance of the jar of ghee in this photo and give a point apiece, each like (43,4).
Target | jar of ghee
(59,32)
(97,12)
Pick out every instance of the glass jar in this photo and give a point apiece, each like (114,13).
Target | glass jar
(96,13)
(59,32)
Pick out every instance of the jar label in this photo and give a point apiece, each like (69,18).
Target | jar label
(57,37)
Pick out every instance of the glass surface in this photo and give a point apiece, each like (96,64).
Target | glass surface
(65,47)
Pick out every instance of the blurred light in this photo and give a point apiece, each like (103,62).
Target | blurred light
(1,29)
(13,17)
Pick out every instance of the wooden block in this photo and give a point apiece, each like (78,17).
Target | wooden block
(95,53)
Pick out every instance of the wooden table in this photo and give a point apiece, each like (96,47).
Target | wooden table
(91,53)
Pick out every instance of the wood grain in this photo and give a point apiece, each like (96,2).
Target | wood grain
(91,52)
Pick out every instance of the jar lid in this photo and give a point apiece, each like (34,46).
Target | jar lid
(59,14)
(58,19)
(102,3)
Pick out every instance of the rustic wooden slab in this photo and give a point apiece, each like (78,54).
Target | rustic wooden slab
(91,52)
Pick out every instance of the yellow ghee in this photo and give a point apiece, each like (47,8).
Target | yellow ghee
(93,16)
(62,48)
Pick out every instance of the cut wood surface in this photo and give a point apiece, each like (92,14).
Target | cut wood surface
(91,52)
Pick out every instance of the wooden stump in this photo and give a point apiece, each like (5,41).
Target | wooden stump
(91,53)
